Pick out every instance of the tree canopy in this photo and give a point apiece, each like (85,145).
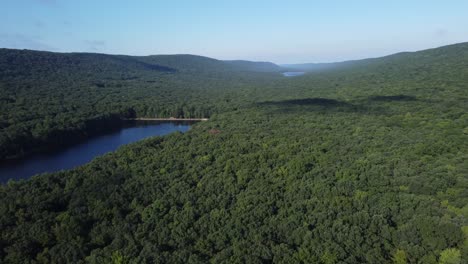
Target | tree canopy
(358,164)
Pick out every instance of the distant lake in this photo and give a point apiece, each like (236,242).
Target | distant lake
(293,74)
(84,152)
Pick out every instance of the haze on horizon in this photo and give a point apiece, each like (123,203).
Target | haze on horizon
(276,31)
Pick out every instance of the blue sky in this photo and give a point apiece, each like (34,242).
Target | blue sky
(286,31)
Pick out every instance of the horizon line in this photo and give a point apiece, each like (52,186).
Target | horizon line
(188,54)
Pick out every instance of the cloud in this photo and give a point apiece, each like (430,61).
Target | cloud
(19,41)
(39,24)
(441,33)
(95,45)
(47,2)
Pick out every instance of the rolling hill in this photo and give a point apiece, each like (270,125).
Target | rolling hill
(49,99)
(430,58)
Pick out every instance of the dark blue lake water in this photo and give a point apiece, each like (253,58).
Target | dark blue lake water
(293,74)
(84,152)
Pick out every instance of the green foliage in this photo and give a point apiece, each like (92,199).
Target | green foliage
(400,257)
(118,258)
(328,258)
(450,256)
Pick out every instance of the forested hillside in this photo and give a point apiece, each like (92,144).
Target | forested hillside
(51,99)
(437,58)
(360,164)
(255,66)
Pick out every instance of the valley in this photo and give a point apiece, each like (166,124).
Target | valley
(364,162)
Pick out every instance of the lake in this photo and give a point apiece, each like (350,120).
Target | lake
(84,152)
(293,74)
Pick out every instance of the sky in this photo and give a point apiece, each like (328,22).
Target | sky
(287,31)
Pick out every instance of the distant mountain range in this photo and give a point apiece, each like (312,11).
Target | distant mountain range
(420,57)
(24,61)
(14,62)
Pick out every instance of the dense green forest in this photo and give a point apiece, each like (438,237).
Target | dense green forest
(51,99)
(365,162)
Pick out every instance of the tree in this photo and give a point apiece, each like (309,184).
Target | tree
(399,257)
(450,256)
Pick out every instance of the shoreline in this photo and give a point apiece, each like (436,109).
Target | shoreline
(166,119)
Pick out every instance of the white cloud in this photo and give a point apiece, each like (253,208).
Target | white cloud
(95,45)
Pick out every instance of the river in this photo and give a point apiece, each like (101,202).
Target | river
(293,74)
(84,152)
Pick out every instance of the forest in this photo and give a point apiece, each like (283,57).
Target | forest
(357,162)
(53,99)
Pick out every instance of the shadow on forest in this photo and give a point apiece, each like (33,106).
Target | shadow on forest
(148,66)
(325,102)
(371,105)
(322,105)
(391,98)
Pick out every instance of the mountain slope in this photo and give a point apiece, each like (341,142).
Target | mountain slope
(23,62)
(193,63)
(49,99)
(27,62)
(430,57)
